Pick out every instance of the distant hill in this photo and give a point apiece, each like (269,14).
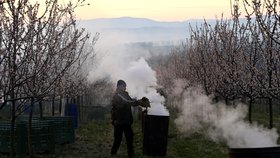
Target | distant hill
(141,29)
(155,37)
(129,22)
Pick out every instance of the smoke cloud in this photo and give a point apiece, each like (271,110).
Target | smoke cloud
(116,60)
(220,122)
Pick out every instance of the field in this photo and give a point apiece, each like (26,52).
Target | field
(94,140)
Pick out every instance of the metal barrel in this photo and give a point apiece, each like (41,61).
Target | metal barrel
(155,135)
(265,152)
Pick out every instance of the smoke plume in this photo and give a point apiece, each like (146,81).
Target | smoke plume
(115,60)
(220,122)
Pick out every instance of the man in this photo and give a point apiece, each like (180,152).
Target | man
(122,119)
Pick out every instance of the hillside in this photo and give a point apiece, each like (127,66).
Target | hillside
(140,29)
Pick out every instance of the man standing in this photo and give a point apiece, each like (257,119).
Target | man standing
(122,119)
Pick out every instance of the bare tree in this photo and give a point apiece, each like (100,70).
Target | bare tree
(233,59)
(267,18)
(36,51)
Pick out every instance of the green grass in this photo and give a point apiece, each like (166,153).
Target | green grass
(94,140)
(193,146)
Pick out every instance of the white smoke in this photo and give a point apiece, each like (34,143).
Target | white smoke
(220,122)
(118,61)
(144,83)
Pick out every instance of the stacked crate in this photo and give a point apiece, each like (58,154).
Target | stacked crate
(63,129)
(46,132)
(41,135)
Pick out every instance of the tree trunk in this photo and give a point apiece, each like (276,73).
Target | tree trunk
(226,100)
(250,110)
(31,154)
(60,105)
(53,109)
(41,109)
(270,113)
(79,109)
(12,132)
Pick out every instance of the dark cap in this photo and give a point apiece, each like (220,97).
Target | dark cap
(120,83)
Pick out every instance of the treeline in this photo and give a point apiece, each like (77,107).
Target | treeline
(232,60)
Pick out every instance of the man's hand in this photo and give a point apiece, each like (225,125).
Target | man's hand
(144,102)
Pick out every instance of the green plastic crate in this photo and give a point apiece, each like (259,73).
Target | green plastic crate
(42,136)
(20,138)
(63,129)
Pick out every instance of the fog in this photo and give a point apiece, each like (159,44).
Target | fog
(221,123)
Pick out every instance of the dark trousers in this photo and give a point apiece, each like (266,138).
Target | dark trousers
(118,132)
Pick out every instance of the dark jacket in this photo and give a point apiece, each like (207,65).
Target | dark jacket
(121,108)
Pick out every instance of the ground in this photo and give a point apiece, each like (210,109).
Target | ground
(94,140)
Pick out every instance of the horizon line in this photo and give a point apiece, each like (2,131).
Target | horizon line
(155,19)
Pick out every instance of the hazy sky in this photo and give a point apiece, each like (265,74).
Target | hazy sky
(163,10)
